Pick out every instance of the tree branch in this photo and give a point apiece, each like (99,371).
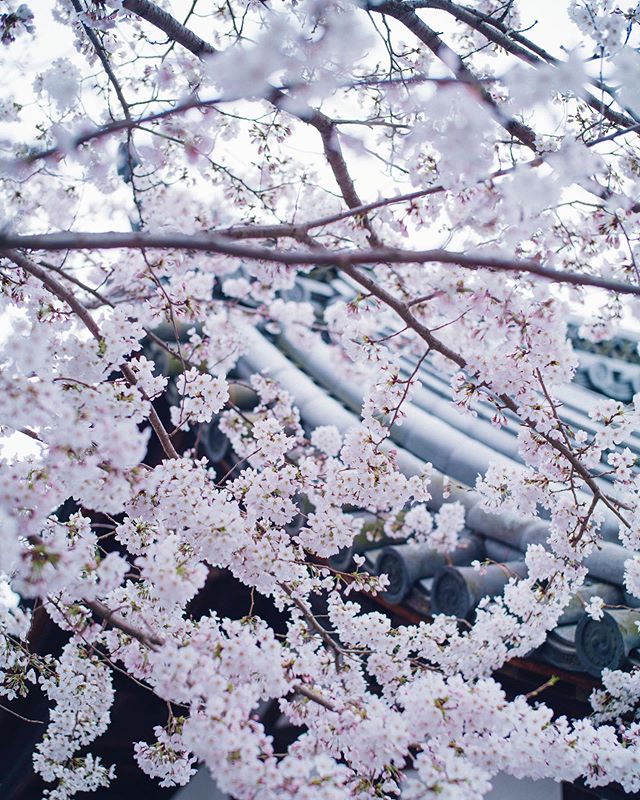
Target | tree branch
(435,344)
(153,642)
(174,30)
(81,312)
(294,230)
(310,694)
(138,240)
(346,262)
(104,60)
(408,17)
(113,618)
(398,9)
(325,126)
(497,33)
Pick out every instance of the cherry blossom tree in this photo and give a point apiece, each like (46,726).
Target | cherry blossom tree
(471,174)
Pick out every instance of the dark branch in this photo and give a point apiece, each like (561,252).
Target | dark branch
(174,30)
(104,60)
(218,244)
(522,48)
(408,17)
(115,619)
(325,126)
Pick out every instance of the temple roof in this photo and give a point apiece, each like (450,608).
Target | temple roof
(461,447)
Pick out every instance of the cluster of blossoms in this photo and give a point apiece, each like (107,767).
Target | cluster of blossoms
(14,22)
(606,22)
(440,533)
(618,698)
(203,396)
(61,83)
(165,758)
(17,665)
(120,352)
(80,687)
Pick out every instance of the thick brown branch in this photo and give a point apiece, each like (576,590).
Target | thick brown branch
(56,289)
(314,696)
(174,30)
(218,244)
